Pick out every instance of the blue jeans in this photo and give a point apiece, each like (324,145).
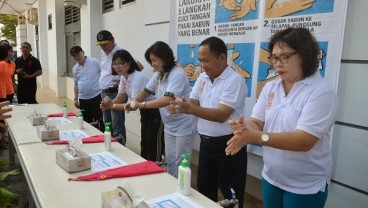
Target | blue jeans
(274,197)
(117,118)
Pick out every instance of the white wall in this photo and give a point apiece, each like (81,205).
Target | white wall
(136,26)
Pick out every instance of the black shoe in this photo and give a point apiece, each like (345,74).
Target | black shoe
(121,139)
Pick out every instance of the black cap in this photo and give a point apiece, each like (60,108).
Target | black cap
(104,37)
(75,50)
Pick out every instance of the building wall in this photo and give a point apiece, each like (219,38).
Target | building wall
(136,26)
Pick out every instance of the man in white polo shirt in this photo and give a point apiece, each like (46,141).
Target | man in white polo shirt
(87,92)
(109,84)
(217,96)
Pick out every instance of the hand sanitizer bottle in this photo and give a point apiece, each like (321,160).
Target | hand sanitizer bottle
(80,119)
(184,175)
(107,134)
(65,110)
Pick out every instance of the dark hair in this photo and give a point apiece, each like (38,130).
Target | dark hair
(26,44)
(3,52)
(216,45)
(124,56)
(162,51)
(303,42)
(9,47)
(4,41)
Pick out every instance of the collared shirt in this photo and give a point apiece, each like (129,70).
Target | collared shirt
(106,78)
(134,84)
(86,76)
(176,83)
(228,89)
(30,65)
(310,106)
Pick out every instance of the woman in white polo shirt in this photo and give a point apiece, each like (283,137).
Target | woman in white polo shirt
(292,119)
(132,81)
(167,83)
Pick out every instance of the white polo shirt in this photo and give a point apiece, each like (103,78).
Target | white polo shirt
(86,76)
(228,89)
(106,78)
(134,84)
(177,84)
(310,106)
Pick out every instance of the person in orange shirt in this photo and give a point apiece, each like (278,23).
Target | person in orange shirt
(10,76)
(3,72)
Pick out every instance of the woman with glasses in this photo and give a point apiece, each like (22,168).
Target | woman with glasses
(292,120)
(167,83)
(132,81)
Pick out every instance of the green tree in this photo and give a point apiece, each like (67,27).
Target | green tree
(10,22)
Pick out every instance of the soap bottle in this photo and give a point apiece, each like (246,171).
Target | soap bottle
(184,175)
(65,110)
(107,135)
(80,119)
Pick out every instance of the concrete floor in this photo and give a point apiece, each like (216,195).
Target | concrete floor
(45,95)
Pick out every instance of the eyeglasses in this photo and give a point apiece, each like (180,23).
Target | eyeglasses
(119,64)
(282,58)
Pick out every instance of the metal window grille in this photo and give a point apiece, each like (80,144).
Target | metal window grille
(72,14)
(107,5)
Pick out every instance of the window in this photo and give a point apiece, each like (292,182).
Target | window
(107,5)
(123,2)
(72,14)
(49,18)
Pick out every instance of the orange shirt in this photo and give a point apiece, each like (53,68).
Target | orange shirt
(9,83)
(3,78)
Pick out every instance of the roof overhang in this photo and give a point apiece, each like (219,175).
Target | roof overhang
(15,7)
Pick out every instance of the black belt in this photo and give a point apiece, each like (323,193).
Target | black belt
(110,90)
(219,139)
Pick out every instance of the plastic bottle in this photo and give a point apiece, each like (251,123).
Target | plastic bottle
(107,134)
(65,110)
(80,119)
(184,175)
(15,99)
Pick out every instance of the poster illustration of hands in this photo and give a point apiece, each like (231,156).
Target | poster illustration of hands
(246,27)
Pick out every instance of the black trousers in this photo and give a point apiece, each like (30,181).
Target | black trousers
(92,111)
(26,92)
(216,170)
(152,134)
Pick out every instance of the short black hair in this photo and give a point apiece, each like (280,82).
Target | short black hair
(304,43)
(124,55)
(3,52)
(162,51)
(216,45)
(27,44)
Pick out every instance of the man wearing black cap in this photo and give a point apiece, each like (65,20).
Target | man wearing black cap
(87,92)
(109,84)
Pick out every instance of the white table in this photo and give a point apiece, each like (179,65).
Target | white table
(22,131)
(48,182)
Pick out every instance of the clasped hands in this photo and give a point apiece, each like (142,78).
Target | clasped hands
(179,105)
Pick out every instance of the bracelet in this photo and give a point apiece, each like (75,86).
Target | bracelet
(143,104)
(113,106)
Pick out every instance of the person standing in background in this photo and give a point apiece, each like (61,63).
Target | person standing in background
(28,68)
(87,92)
(217,96)
(292,120)
(133,81)
(109,84)
(10,77)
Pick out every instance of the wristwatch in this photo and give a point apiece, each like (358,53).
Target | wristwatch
(143,105)
(265,138)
